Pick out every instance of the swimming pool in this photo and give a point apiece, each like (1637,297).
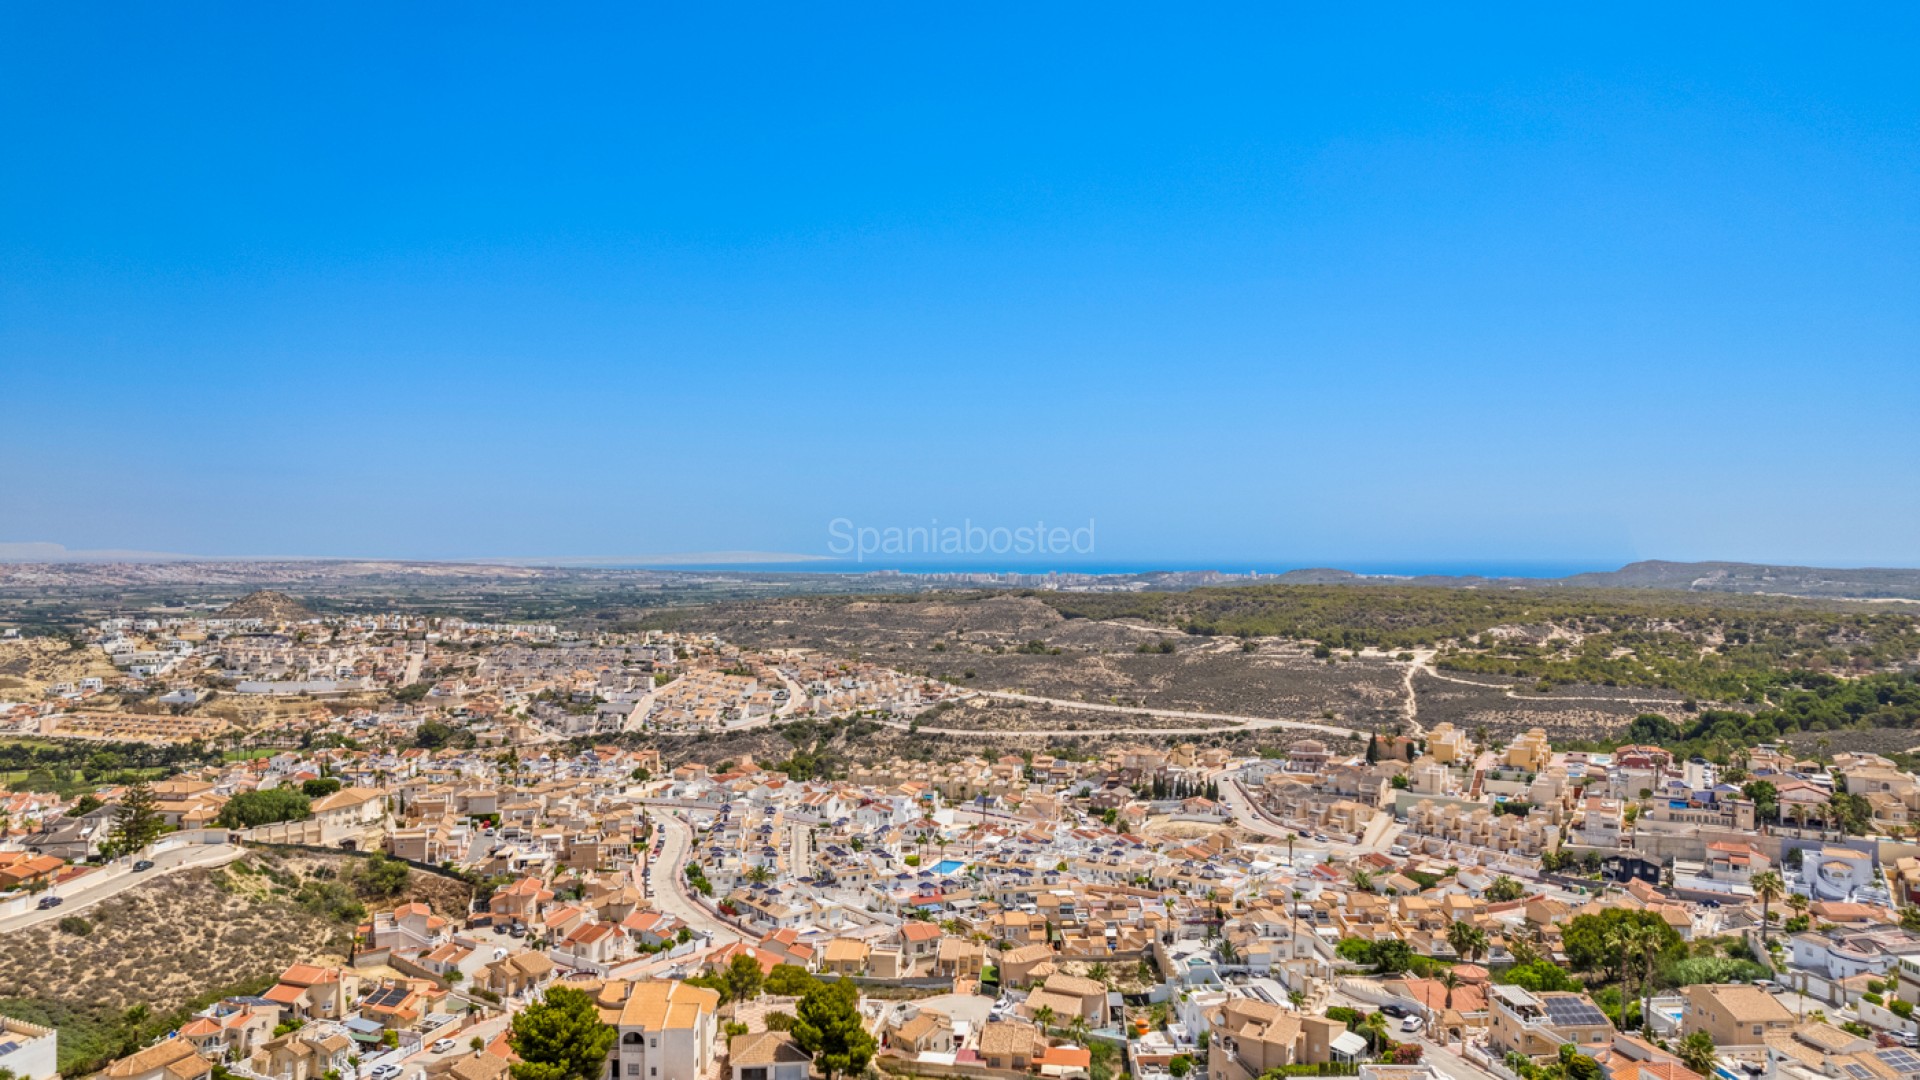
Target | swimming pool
(948,866)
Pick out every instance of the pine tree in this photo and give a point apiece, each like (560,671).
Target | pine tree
(561,1037)
(137,822)
(828,1027)
(1373,749)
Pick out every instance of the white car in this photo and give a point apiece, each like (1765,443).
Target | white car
(1410,1024)
(385,1072)
(441,1046)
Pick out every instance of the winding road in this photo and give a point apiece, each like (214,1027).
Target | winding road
(85,891)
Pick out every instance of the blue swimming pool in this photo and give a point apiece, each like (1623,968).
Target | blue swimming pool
(948,866)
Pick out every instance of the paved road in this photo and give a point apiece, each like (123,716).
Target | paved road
(108,882)
(668,880)
(412,1067)
(1449,1064)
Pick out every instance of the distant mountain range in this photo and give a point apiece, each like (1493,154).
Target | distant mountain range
(1869,583)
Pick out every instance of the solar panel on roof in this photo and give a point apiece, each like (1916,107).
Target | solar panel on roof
(1899,1059)
(1859,1071)
(1573,1012)
(387,998)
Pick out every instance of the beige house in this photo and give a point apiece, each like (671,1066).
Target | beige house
(666,1029)
(170,1059)
(1026,964)
(768,1055)
(1250,1037)
(1735,1014)
(1006,1044)
(520,973)
(1537,1025)
(845,956)
(294,1056)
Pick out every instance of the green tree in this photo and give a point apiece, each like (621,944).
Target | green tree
(1697,1053)
(85,804)
(1180,1066)
(1392,956)
(251,808)
(742,978)
(1588,945)
(789,980)
(320,788)
(1539,976)
(1768,887)
(561,1037)
(1468,941)
(828,1026)
(1766,798)
(1575,1065)
(383,877)
(137,822)
(1505,889)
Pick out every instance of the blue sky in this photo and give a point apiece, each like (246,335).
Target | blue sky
(1241,285)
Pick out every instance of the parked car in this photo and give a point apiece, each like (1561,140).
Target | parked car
(1396,1011)
(143,864)
(385,1072)
(51,902)
(441,1046)
(1410,1024)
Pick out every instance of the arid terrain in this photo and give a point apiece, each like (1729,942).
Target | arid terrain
(112,971)
(1022,644)
(29,666)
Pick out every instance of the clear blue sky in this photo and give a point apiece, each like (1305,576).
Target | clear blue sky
(1262,285)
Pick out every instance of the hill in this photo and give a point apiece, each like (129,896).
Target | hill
(268,605)
(1867,583)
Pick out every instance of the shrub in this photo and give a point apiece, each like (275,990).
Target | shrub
(75,925)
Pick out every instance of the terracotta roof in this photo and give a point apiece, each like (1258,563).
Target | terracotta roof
(172,1053)
(766,1048)
(658,1006)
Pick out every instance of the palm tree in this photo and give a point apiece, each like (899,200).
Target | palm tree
(1799,903)
(1522,950)
(1619,940)
(1652,943)
(1101,974)
(1636,942)
(1043,1016)
(1361,879)
(1451,981)
(1768,887)
(1467,940)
